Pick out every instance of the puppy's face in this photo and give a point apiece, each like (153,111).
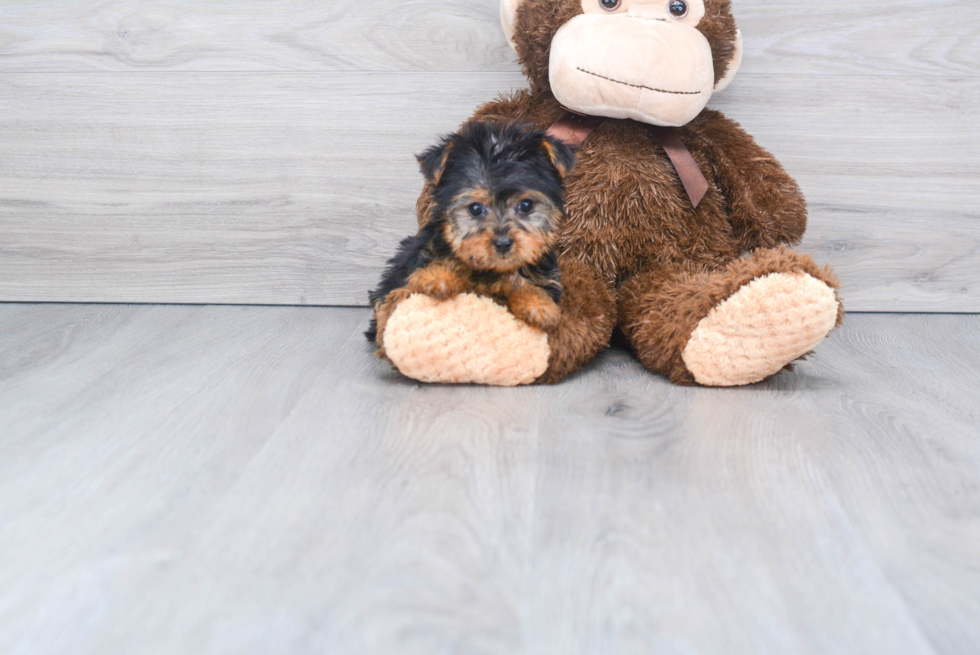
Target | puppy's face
(498,193)
(501,234)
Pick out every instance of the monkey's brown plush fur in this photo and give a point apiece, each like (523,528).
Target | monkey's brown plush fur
(634,251)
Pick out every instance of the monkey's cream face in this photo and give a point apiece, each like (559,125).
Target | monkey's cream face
(637,59)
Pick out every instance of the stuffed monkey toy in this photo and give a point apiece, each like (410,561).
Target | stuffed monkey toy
(677,221)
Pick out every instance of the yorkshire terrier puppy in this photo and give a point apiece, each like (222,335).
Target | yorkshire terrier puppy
(497,202)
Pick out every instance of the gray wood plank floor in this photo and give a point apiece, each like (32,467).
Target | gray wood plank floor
(178,479)
(230,153)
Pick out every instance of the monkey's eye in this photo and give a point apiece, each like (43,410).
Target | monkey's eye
(525,206)
(610,5)
(476,210)
(677,8)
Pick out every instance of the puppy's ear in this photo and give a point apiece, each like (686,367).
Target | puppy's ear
(560,155)
(433,161)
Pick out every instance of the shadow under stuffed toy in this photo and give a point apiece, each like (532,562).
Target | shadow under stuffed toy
(677,221)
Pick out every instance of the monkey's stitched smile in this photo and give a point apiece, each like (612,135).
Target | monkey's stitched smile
(639,86)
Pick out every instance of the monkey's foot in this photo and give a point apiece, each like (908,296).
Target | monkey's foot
(760,329)
(466,339)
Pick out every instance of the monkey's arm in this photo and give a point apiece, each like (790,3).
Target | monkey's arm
(766,205)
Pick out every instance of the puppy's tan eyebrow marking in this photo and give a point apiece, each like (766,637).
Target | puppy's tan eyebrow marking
(640,86)
(478,194)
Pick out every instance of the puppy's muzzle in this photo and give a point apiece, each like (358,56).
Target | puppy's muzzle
(503,244)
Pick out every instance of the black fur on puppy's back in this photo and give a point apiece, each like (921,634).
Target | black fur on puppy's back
(414,252)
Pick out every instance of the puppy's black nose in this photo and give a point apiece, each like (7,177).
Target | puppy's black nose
(503,244)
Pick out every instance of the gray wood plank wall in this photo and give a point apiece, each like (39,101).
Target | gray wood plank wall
(248,153)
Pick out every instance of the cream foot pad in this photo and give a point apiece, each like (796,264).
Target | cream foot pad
(467,339)
(763,326)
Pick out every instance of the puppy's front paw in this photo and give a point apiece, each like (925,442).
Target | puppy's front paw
(544,316)
(535,308)
(437,282)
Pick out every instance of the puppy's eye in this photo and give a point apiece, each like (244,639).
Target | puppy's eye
(525,206)
(476,210)
(610,5)
(677,8)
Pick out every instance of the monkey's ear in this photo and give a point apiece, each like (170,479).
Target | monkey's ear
(733,65)
(508,18)
(560,155)
(433,161)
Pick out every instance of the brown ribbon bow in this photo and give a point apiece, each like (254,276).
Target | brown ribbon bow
(574,129)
